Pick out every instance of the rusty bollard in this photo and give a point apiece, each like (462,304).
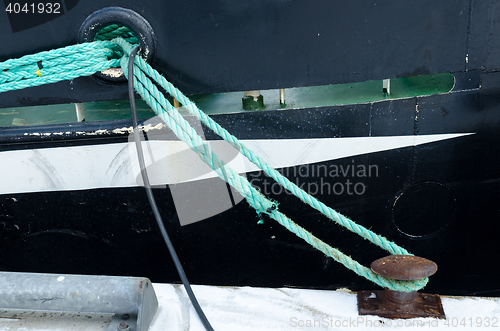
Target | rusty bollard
(395,304)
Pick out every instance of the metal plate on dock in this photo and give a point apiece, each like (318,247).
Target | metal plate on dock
(50,320)
(30,301)
(375,303)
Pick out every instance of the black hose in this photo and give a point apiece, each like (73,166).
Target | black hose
(151,197)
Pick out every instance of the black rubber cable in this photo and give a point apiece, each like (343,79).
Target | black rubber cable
(147,186)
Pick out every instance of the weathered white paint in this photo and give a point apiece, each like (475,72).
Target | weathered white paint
(168,162)
(269,309)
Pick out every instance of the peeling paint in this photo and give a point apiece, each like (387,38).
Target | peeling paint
(113,72)
(145,128)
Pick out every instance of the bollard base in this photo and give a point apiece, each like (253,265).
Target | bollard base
(376,303)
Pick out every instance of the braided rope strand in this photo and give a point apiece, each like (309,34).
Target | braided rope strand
(62,69)
(55,53)
(114,31)
(88,71)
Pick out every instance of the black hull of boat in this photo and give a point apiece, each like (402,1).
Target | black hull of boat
(225,46)
(438,200)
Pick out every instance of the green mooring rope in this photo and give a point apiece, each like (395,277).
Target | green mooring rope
(114,31)
(58,65)
(86,59)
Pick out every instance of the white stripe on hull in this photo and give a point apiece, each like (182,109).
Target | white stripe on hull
(115,165)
